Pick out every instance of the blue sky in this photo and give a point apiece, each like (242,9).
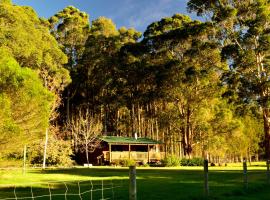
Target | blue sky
(129,13)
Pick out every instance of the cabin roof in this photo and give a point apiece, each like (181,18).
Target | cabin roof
(128,140)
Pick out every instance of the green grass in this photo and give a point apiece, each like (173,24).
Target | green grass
(152,183)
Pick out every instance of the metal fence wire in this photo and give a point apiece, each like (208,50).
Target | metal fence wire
(67,190)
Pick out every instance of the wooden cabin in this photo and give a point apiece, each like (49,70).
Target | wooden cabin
(139,149)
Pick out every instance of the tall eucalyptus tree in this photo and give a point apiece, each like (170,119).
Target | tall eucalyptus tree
(244,34)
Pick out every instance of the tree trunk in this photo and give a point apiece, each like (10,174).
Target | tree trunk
(86,153)
(68,102)
(45,149)
(188,133)
(24,159)
(133,120)
(266,120)
(117,123)
(183,141)
(139,121)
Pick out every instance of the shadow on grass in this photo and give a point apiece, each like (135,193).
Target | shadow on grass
(102,189)
(165,184)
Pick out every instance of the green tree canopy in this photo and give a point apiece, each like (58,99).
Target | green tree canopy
(243,32)
(32,45)
(25,104)
(70,27)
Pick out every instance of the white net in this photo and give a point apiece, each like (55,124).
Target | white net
(67,190)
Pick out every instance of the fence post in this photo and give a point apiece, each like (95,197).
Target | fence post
(24,159)
(132,183)
(206,186)
(268,172)
(245,173)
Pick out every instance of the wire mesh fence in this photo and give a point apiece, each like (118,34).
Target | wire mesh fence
(75,190)
(162,181)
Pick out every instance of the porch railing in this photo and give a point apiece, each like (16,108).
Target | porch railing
(134,155)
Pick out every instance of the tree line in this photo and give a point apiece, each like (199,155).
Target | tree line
(200,87)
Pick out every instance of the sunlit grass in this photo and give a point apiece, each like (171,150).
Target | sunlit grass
(153,183)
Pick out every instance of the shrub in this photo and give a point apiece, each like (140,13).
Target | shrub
(116,162)
(157,164)
(127,162)
(197,161)
(146,165)
(184,162)
(192,162)
(58,152)
(5,163)
(171,161)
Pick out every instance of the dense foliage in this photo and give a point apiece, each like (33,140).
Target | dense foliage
(32,77)
(202,88)
(58,152)
(25,104)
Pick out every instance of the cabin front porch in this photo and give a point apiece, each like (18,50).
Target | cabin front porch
(140,150)
(149,156)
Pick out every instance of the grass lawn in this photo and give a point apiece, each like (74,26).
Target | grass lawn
(152,183)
